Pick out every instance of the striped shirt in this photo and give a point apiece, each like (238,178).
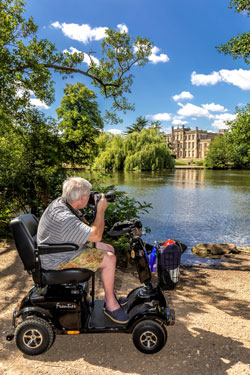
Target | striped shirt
(58,224)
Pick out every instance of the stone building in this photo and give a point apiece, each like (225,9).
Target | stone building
(187,143)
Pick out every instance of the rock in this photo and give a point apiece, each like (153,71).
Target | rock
(244,249)
(214,250)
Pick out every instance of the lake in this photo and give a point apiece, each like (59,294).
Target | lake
(193,206)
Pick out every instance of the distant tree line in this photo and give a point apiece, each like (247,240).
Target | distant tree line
(232,150)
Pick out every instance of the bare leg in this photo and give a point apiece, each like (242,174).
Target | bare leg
(105,246)
(108,277)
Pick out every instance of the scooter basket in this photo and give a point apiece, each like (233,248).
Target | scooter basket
(169,258)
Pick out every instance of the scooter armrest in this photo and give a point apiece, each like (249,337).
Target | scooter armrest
(56,248)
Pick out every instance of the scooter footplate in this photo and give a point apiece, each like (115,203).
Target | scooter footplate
(99,320)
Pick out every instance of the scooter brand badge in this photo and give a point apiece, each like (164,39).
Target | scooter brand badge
(132,254)
(66,306)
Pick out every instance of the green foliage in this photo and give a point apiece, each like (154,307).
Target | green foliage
(26,63)
(238,138)
(238,46)
(120,53)
(140,124)
(233,149)
(146,150)
(218,156)
(123,208)
(31,170)
(80,123)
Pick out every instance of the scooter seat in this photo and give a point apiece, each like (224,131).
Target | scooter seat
(71,275)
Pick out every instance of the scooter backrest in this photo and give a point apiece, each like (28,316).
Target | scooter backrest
(24,229)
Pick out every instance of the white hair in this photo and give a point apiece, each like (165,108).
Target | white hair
(73,187)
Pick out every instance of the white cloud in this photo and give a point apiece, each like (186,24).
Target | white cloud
(166,130)
(220,120)
(193,110)
(239,78)
(123,28)
(184,95)
(38,103)
(161,117)
(82,33)
(87,58)
(115,131)
(214,107)
(33,101)
(179,122)
(154,58)
(205,79)
(56,25)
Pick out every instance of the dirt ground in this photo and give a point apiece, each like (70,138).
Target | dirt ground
(211,334)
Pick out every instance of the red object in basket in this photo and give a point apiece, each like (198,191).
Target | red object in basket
(168,242)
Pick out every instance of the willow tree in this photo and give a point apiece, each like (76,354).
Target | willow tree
(146,150)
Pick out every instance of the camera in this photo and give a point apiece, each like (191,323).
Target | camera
(110,196)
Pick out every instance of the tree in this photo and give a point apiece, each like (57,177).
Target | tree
(238,138)
(233,149)
(26,63)
(112,156)
(31,167)
(238,46)
(146,150)
(30,146)
(217,156)
(80,122)
(140,124)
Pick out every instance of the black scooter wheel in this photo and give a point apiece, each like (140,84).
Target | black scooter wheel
(149,336)
(34,336)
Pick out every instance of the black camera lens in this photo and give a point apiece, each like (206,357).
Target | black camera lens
(110,196)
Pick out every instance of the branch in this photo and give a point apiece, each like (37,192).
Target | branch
(70,70)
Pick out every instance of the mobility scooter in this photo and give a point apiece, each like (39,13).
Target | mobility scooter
(59,301)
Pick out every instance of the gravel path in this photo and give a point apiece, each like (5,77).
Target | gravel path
(211,335)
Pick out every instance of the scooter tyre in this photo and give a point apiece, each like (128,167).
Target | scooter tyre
(34,336)
(149,336)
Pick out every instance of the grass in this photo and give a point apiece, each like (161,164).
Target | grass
(189,162)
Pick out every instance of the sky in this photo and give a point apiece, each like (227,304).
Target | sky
(186,82)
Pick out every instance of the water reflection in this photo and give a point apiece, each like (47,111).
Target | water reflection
(188,178)
(192,206)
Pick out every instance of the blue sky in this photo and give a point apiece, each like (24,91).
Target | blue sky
(186,82)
